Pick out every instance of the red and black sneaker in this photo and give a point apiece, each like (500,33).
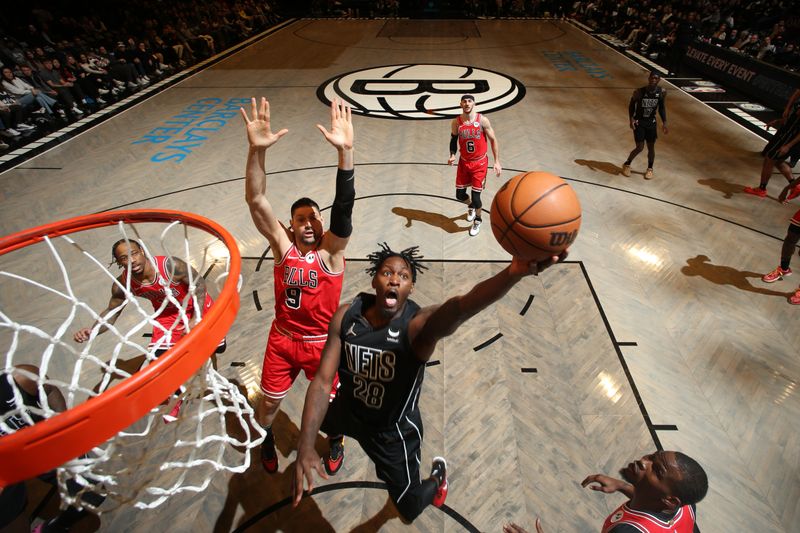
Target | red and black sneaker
(269,457)
(439,473)
(335,456)
(756,191)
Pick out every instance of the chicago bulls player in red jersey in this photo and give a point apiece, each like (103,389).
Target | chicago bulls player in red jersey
(469,132)
(663,488)
(154,278)
(308,271)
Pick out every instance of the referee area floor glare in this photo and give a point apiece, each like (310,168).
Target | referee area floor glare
(656,333)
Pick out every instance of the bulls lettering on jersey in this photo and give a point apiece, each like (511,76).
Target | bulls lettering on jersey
(471,139)
(681,522)
(306,293)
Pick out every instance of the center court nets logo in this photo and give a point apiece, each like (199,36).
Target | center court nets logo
(417,92)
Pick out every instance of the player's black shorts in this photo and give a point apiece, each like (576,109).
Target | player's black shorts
(776,143)
(645,133)
(395,450)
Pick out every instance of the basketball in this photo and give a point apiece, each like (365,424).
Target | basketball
(535,215)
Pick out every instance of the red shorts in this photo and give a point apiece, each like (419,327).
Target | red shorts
(472,173)
(795,219)
(284,357)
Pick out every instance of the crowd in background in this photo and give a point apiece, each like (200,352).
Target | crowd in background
(59,66)
(767,30)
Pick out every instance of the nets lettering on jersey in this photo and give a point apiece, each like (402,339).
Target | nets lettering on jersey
(67,282)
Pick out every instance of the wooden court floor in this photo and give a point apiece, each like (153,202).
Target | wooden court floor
(656,332)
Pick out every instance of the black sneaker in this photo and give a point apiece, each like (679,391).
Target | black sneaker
(335,456)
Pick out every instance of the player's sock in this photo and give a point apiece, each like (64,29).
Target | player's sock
(269,457)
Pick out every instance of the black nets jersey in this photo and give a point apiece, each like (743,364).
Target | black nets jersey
(10,413)
(380,375)
(647,104)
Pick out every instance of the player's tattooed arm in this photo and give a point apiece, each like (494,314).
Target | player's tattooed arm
(179,271)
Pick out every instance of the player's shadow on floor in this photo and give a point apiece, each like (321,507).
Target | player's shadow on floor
(727,188)
(724,275)
(602,166)
(255,491)
(438,220)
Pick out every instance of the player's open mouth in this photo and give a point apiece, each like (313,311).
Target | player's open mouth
(390,298)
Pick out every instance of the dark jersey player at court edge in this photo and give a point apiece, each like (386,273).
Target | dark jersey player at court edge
(379,345)
(644,104)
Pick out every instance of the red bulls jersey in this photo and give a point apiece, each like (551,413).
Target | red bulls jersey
(681,522)
(169,316)
(471,139)
(795,219)
(306,293)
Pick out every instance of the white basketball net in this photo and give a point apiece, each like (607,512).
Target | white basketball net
(149,461)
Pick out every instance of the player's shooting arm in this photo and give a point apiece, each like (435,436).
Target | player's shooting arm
(434,323)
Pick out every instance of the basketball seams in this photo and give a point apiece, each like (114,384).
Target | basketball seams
(520,238)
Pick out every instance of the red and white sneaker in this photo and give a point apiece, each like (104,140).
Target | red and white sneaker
(756,191)
(776,275)
(172,416)
(439,473)
(795,298)
(794,193)
(333,462)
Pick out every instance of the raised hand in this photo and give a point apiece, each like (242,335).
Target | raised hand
(604,483)
(341,133)
(259,133)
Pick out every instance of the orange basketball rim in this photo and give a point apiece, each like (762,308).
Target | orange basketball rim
(54,441)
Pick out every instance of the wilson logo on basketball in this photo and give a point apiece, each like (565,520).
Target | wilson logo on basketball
(418,92)
(561,238)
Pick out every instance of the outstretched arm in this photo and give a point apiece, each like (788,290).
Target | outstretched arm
(315,408)
(434,323)
(116,304)
(341,136)
(487,128)
(260,138)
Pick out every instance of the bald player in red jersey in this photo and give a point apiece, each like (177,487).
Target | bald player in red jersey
(663,490)
(469,133)
(308,271)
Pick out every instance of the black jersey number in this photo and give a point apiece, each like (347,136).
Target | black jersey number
(369,392)
(293,297)
(470,146)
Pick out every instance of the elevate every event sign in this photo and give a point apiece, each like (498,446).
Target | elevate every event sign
(760,81)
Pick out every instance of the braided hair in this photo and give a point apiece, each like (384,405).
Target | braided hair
(409,255)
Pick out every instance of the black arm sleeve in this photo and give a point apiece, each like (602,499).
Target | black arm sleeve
(662,107)
(342,209)
(453,144)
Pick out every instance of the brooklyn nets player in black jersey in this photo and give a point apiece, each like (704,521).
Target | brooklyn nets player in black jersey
(642,108)
(379,345)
